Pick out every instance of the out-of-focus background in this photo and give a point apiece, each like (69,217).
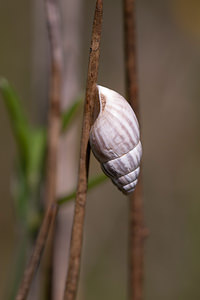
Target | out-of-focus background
(168,34)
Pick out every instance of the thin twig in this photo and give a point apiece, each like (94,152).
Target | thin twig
(130,54)
(52,144)
(136,217)
(54,124)
(35,258)
(92,183)
(78,222)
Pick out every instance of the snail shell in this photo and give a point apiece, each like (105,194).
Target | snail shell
(115,139)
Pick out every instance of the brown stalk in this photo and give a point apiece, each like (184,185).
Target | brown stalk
(52,145)
(136,214)
(54,125)
(80,203)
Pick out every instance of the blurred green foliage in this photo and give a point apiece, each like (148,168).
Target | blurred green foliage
(31,144)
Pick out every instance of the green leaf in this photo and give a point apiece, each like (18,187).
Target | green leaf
(17,117)
(70,113)
(20,193)
(95,181)
(36,156)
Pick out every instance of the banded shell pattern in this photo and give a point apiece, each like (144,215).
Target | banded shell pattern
(115,139)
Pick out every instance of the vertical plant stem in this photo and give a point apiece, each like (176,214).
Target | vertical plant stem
(47,264)
(136,218)
(129,7)
(35,258)
(72,16)
(79,214)
(54,118)
(54,127)
(52,144)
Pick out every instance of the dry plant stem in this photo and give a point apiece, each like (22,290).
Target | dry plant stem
(47,265)
(130,54)
(49,218)
(54,125)
(54,117)
(136,218)
(52,145)
(78,222)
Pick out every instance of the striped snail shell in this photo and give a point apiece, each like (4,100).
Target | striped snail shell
(115,139)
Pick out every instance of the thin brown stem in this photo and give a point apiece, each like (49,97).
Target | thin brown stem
(54,117)
(54,125)
(136,214)
(79,214)
(130,54)
(49,219)
(52,145)
(46,275)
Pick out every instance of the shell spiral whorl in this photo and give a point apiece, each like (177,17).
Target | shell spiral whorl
(115,139)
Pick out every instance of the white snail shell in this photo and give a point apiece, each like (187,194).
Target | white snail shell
(115,139)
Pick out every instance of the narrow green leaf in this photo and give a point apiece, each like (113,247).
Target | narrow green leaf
(70,113)
(20,194)
(17,117)
(95,181)
(36,159)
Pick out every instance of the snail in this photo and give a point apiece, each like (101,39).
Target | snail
(115,139)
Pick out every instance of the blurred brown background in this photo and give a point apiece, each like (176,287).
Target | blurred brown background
(169,74)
